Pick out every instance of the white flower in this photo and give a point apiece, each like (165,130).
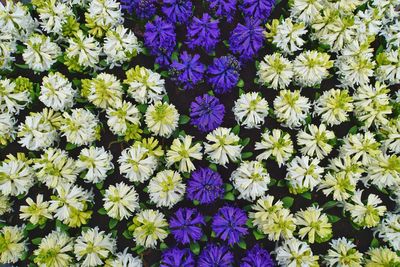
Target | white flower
(11,100)
(181,151)
(314,224)
(333,106)
(343,253)
(96,162)
(55,168)
(340,184)
(251,179)
(54,250)
(250,110)
(36,212)
(105,13)
(125,259)
(366,215)
(94,246)
(149,227)
(311,67)
(288,36)
(40,53)
(136,164)
(80,127)
(104,90)
(382,256)
(16,176)
(360,146)
(392,132)
(389,66)
(39,130)
(315,141)
(389,230)
(166,188)
(120,45)
(162,118)
(384,171)
(120,201)
(305,10)
(7,128)
(277,144)
(121,115)
(145,86)
(15,19)
(5,204)
(12,243)
(7,48)
(291,108)
(56,92)
(223,146)
(275,71)
(293,253)
(304,173)
(84,49)
(53,14)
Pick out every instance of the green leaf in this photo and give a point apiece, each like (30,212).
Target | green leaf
(30,226)
(246,155)
(241,91)
(163,246)
(100,185)
(229,196)
(353,130)
(240,83)
(102,211)
(195,248)
(333,218)
(236,129)
(112,223)
(329,204)
(22,66)
(287,202)
(127,234)
(246,141)
(184,119)
(166,99)
(228,187)
(70,146)
(213,167)
(306,195)
(258,235)
(142,108)
(242,244)
(36,241)
(249,223)
(196,202)
(281,183)
(374,243)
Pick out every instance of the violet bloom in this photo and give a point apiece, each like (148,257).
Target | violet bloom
(257,9)
(257,257)
(144,9)
(177,10)
(214,255)
(189,71)
(206,113)
(185,225)
(203,32)
(247,39)
(224,8)
(128,5)
(205,186)
(223,74)
(176,257)
(229,224)
(160,38)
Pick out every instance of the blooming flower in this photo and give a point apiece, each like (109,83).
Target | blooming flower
(215,255)
(315,141)
(124,259)
(36,212)
(223,146)
(56,92)
(257,257)
(189,72)
(148,227)
(275,71)
(314,224)
(16,176)
(295,253)
(203,32)
(96,161)
(306,11)
(339,184)
(246,39)
(181,151)
(381,256)
(259,9)
(384,171)
(120,201)
(388,69)
(84,50)
(177,10)
(205,186)
(206,112)
(166,188)
(5,204)
(251,179)
(12,243)
(122,116)
(288,36)
(177,257)
(93,247)
(186,224)
(223,74)
(11,99)
(7,128)
(343,253)
(229,224)
(250,110)
(53,15)
(104,90)
(388,230)
(277,144)
(361,147)
(223,8)
(162,118)
(41,53)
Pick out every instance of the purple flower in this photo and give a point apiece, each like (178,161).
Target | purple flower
(189,71)
(203,32)
(214,255)
(230,224)
(206,112)
(246,39)
(159,37)
(257,257)
(205,186)
(223,8)
(177,10)
(223,74)
(185,225)
(257,9)
(176,257)
(128,5)
(144,9)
